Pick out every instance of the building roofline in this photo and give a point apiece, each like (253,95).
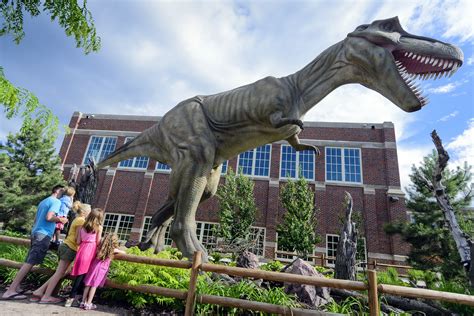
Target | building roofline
(306,123)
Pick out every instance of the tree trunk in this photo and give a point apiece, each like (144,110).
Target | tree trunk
(462,243)
(347,247)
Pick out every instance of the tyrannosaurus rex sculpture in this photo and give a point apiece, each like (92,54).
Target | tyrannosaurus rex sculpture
(199,134)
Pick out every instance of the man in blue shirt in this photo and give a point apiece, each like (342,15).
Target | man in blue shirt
(43,229)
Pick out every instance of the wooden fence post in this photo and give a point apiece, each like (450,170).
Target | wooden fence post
(191,296)
(323,260)
(373,295)
(375,265)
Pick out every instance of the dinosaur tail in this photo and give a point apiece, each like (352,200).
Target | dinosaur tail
(139,146)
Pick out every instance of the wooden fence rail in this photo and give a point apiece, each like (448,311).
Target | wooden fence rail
(191,297)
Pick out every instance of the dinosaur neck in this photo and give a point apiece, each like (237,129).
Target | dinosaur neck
(320,77)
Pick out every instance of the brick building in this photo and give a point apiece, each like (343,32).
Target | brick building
(355,157)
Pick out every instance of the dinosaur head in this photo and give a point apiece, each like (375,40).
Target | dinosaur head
(387,59)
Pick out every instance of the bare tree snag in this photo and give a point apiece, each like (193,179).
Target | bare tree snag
(347,247)
(462,243)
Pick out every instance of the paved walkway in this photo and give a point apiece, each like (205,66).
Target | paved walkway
(27,308)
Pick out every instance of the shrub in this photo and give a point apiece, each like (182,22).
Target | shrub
(274,265)
(428,277)
(390,276)
(18,254)
(136,273)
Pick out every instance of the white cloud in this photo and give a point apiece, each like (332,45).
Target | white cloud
(470,61)
(409,156)
(443,89)
(449,116)
(461,148)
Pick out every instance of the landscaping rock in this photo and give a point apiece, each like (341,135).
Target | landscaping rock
(247,260)
(308,294)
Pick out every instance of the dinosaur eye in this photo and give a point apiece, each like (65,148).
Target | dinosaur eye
(388,26)
(362,27)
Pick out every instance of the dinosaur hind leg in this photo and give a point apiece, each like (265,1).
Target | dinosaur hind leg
(193,179)
(156,225)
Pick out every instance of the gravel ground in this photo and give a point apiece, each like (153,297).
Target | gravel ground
(27,308)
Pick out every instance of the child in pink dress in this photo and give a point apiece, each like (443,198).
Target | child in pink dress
(98,269)
(88,237)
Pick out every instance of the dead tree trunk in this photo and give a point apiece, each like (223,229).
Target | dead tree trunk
(347,247)
(462,242)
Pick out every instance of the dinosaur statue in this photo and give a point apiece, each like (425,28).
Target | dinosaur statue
(199,134)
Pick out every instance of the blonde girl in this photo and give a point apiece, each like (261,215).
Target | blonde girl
(98,270)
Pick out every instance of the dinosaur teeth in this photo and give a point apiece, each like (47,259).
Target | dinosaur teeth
(445,64)
(431,60)
(405,55)
(414,56)
(450,64)
(410,54)
(435,62)
(422,60)
(418,58)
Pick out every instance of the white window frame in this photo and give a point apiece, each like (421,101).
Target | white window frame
(168,240)
(297,165)
(328,262)
(223,173)
(115,230)
(343,166)
(162,170)
(101,146)
(364,241)
(134,159)
(255,232)
(200,236)
(254,161)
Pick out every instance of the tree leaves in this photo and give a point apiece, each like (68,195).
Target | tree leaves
(77,21)
(297,232)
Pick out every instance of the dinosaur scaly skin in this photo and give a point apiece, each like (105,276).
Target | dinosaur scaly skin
(200,133)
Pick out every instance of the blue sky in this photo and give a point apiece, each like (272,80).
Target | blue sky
(157,53)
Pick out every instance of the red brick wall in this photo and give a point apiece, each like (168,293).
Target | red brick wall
(133,192)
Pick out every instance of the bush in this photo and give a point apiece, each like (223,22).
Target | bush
(18,254)
(428,277)
(274,265)
(175,278)
(390,276)
(456,286)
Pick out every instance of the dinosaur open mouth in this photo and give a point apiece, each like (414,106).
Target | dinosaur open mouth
(412,66)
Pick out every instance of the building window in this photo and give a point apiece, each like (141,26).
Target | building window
(225,164)
(99,148)
(119,224)
(361,254)
(255,162)
(146,227)
(136,162)
(162,167)
(343,164)
(205,234)
(331,248)
(257,234)
(294,163)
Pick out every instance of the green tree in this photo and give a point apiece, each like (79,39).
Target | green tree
(29,168)
(297,232)
(432,244)
(77,22)
(237,212)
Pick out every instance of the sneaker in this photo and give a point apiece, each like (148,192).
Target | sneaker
(69,302)
(82,305)
(88,307)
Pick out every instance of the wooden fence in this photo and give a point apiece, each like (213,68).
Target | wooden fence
(323,259)
(191,297)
